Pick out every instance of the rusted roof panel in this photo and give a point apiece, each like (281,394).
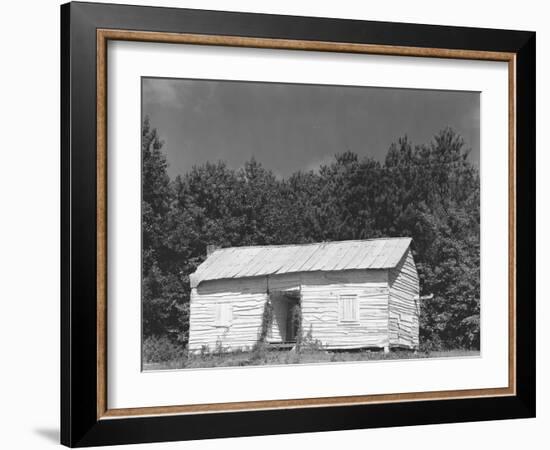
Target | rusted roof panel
(240,262)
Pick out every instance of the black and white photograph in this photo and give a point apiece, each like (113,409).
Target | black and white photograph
(301,223)
(260,225)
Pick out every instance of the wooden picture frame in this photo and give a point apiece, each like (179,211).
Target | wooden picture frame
(86,418)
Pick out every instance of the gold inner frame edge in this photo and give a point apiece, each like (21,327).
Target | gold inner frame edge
(104,35)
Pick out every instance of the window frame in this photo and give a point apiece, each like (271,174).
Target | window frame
(356,309)
(219,309)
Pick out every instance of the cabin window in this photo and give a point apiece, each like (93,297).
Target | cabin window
(348,308)
(223,314)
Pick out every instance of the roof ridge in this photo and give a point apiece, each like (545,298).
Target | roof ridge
(313,243)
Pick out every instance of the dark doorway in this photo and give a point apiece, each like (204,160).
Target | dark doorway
(294,319)
(286,316)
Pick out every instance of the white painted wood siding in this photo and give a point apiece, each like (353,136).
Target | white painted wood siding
(247,297)
(320,297)
(404,312)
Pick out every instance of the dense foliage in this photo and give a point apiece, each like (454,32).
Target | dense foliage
(429,192)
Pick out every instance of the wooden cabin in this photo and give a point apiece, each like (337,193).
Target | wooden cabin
(350,295)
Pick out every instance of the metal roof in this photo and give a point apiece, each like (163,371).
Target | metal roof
(240,262)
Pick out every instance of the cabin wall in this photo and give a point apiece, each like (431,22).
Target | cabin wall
(404,310)
(320,293)
(247,297)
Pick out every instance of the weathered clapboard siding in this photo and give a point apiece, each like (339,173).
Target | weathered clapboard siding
(247,297)
(284,282)
(403,303)
(321,292)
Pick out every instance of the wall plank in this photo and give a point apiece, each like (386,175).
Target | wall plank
(404,312)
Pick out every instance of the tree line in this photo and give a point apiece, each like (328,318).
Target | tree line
(429,192)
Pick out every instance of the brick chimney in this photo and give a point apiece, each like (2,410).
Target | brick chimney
(211,248)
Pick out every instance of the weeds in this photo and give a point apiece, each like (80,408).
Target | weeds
(161,349)
(310,353)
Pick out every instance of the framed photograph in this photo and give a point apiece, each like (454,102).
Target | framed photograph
(276,224)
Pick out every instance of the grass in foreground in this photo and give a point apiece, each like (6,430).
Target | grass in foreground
(264,357)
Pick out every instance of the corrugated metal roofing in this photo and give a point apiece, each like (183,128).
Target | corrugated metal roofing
(240,262)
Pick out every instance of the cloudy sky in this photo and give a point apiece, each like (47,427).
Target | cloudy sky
(288,127)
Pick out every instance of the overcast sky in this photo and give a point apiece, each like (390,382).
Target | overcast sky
(288,127)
